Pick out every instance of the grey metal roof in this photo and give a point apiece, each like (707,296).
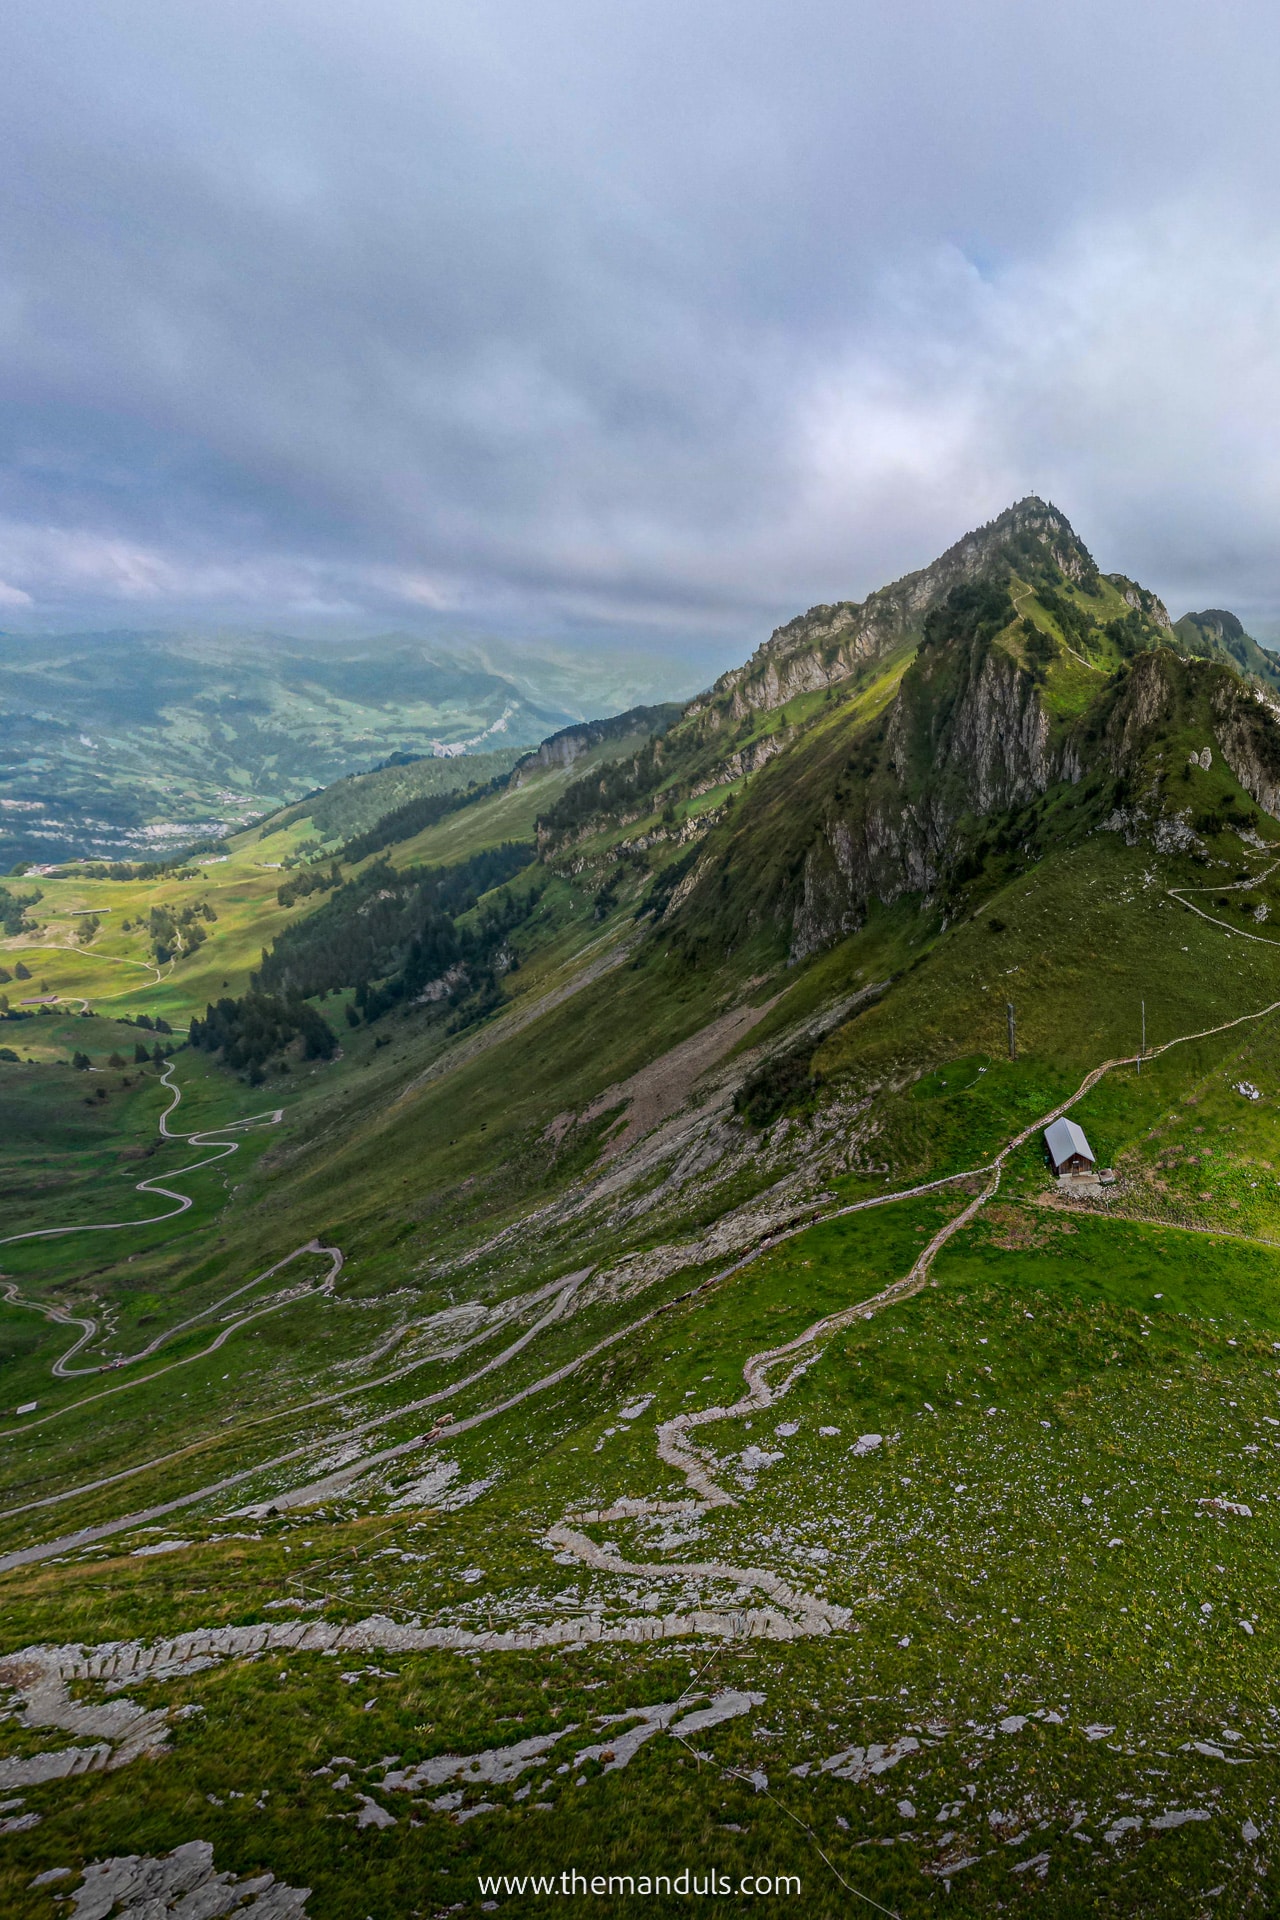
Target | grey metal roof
(1063,1139)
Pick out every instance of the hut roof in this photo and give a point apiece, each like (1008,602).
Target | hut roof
(1063,1139)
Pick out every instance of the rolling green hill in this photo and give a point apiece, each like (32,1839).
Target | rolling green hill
(596,1374)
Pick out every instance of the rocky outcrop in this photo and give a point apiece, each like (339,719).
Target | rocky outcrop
(1247,729)
(184,1883)
(1147,699)
(951,752)
(742,764)
(1141,599)
(828,644)
(994,741)
(571,743)
(1162,690)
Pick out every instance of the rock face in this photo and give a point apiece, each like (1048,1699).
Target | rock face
(829,643)
(1161,691)
(1247,730)
(1146,701)
(563,748)
(184,1883)
(967,748)
(967,737)
(953,725)
(1141,599)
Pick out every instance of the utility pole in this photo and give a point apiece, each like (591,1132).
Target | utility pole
(1143,1048)
(1013,1030)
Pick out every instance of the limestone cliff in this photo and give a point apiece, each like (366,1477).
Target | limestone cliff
(966,738)
(829,643)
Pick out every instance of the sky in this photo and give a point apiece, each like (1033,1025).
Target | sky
(653,322)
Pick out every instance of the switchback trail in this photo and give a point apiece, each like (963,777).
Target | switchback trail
(220,1147)
(673,1447)
(60,1367)
(203,1137)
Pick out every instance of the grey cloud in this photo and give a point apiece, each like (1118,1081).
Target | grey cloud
(641,316)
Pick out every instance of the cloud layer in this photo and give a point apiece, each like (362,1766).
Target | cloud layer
(643,318)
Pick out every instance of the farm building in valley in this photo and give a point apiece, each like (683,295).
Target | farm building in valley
(1069,1152)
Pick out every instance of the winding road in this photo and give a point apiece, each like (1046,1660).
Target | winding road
(211,1137)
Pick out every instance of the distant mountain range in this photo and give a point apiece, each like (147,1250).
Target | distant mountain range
(116,744)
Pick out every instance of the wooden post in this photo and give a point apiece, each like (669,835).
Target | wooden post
(1013,1030)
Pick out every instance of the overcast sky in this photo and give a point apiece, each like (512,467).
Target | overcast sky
(657,319)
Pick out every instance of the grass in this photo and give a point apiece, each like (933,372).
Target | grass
(973,1547)
(1077,1377)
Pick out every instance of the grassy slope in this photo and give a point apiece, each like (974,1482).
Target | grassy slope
(355,804)
(966,1536)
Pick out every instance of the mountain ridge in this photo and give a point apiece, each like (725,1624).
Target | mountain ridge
(829,642)
(1006,657)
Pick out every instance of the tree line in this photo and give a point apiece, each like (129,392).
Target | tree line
(390,935)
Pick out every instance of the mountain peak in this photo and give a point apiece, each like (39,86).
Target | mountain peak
(830,642)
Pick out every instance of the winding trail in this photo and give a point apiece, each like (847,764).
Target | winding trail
(1092,665)
(60,1367)
(211,1137)
(673,1446)
(793,1611)
(114,959)
(789,1612)
(1228,886)
(203,1137)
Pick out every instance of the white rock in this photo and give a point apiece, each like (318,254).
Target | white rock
(371,1814)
